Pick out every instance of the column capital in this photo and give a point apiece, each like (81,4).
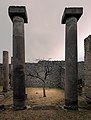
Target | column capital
(72,12)
(18,11)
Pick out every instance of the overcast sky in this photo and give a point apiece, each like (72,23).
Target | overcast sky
(44,33)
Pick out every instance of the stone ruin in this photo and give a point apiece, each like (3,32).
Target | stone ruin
(87,65)
(57,74)
(66,76)
(55,79)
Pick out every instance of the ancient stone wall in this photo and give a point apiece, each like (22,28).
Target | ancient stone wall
(81,71)
(87,64)
(55,78)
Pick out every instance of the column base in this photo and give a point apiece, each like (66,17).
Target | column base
(18,107)
(71,105)
(19,104)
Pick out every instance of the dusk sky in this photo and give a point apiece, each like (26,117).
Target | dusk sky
(44,33)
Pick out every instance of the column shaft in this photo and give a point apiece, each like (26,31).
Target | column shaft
(18,62)
(5,71)
(71,74)
(11,82)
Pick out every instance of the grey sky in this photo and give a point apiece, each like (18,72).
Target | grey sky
(44,35)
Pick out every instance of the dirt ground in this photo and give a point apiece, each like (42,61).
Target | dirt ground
(44,108)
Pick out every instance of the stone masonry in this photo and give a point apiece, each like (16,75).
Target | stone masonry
(87,46)
(57,75)
(55,79)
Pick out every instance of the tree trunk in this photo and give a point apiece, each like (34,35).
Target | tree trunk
(44,93)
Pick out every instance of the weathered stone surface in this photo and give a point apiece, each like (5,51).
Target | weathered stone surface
(56,78)
(81,71)
(5,71)
(11,73)
(18,62)
(18,11)
(87,46)
(71,98)
(72,12)
(45,107)
(53,79)
(18,16)
(70,17)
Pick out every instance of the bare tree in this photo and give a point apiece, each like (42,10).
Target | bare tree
(42,71)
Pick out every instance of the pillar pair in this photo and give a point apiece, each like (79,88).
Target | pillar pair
(70,18)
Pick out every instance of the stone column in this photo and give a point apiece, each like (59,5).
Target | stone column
(11,82)
(5,71)
(87,65)
(70,18)
(19,17)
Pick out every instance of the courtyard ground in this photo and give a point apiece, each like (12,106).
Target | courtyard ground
(44,108)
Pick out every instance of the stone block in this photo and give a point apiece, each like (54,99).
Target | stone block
(72,12)
(18,11)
